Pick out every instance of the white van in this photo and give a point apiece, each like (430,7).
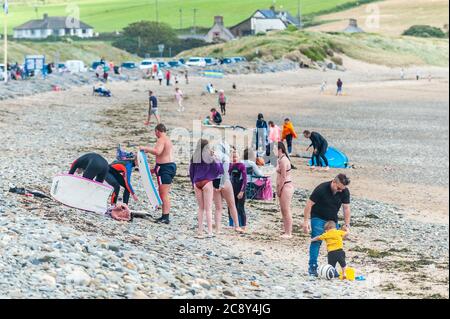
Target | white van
(195,61)
(147,64)
(75,66)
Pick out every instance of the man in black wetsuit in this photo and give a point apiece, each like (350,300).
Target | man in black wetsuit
(320,145)
(92,166)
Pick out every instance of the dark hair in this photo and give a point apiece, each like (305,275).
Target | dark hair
(306,132)
(199,156)
(260,116)
(150,92)
(161,128)
(286,119)
(343,179)
(282,148)
(213,110)
(247,153)
(271,123)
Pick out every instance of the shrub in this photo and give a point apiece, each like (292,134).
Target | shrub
(425,31)
(292,28)
(260,34)
(337,60)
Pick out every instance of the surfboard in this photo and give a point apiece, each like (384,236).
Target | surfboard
(336,158)
(147,181)
(81,193)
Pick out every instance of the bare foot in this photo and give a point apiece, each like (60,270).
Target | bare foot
(286,236)
(238,230)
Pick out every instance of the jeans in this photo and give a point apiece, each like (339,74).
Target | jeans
(317,229)
(289,139)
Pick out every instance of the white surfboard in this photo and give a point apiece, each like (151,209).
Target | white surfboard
(81,193)
(147,181)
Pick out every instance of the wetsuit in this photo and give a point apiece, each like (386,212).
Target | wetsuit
(165,173)
(94,166)
(120,175)
(238,175)
(321,145)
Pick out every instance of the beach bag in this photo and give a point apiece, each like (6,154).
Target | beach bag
(121,212)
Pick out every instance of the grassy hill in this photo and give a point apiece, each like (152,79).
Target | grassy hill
(112,15)
(371,48)
(86,51)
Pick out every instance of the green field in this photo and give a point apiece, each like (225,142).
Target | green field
(113,15)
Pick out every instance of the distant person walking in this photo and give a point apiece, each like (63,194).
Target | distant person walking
(402,74)
(418,75)
(339,85)
(324,205)
(152,108)
(179,99)
(186,76)
(323,87)
(288,134)
(320,145)
(285,189)
(222,102)
(168,77)
(160,77)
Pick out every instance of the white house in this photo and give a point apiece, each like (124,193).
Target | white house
(53,26)
(218,33)
(264,21)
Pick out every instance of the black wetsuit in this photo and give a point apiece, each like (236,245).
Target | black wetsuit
(320,144)
(94,166)
(119,174)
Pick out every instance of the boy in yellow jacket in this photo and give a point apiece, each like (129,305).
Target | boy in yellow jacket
(335,244)
(288,134)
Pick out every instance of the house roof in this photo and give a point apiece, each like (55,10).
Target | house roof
(51,23)
(271,14)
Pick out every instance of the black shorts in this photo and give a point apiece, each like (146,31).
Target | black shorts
(337,257)
(166,173)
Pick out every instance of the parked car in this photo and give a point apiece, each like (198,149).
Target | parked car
(195,61)
(238,59)
(146,64)
(62,67)
(96,64)
(182,61)
(162,65)
(174,64)
(227,61)
(129,65)
(75,66)
(211,61)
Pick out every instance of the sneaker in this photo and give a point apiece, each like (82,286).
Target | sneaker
(163,220)
(325,169)
(312,271)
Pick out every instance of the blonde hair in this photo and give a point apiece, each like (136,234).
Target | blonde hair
(330,225)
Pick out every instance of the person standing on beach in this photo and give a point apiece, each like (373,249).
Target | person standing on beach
(152,108)
(402,74)
(223,189)
(238,175)
(165,169)
(168,76)
(320,145)
(285,189)
(203,170)
(288,134)
(222,102)
(323,87)
(179,99)
(160,77)
(324,205)
(186,76)
(262,131)
(339,85)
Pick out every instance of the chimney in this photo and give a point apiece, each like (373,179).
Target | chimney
(218,20)
(353,23)
(45,16)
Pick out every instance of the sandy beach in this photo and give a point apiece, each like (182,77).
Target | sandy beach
(394,131)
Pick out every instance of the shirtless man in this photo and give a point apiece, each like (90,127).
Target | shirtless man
(165,168)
